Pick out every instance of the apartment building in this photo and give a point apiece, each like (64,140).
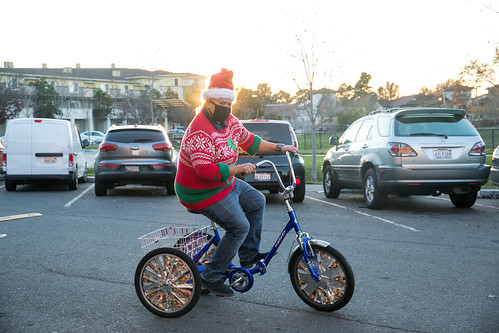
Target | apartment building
(76,87)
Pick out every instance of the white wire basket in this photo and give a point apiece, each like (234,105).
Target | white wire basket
(187,239)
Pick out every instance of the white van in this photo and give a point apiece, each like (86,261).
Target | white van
(43,149)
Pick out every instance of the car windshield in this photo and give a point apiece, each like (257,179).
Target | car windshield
(273,132)
(433,125)
(130,136)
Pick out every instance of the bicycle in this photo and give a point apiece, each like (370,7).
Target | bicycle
(168,280)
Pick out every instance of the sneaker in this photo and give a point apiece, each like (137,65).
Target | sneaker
(256,258)
(218,287)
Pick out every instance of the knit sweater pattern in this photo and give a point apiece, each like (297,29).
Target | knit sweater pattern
(205,155)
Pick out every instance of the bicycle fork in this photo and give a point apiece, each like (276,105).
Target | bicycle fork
(304,241)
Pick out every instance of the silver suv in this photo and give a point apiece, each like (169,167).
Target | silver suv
(408,152)
(135,154)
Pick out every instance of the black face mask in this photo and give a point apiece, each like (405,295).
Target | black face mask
(221,113)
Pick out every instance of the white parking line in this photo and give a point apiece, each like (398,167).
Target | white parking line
(78,197)
(20,216)
(366,214)
(2,186)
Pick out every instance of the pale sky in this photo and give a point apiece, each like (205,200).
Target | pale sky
(410,43)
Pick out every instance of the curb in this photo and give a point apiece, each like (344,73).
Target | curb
(488,194)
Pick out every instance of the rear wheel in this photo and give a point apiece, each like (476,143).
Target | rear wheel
(100,189)
(73,183)
(330,183)
(335,287)
(465,200)
(373,197)
(167,282)
(10,186)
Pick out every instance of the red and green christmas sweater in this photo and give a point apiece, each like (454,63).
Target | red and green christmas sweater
(205,155)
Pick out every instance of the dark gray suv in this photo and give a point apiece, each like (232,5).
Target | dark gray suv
(135,154)
(277,131)
(426,151)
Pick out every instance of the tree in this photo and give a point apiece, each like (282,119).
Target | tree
(102,104)
(389,92)
(477,73)
(11,102)
(310,62)
(354,101)
(247,104)
(45,99)
(281,97)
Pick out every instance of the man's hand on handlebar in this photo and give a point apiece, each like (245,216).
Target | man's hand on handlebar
(242,169)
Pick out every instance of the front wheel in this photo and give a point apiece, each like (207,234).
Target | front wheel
(335,287)
(330,183)
(168,282)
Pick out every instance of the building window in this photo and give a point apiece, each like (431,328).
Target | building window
(124,90)
(12,82)
(73,87)
(74,104)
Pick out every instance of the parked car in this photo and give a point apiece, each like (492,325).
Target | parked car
(277,131)
(39,149)
(93,137)
(494,171)
(135,154)
(176,134)
(408,152)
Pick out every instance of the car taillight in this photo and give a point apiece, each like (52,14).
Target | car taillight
(4,160)
(478,149)
(71,160)
(399,149)
(162,146)
(107,146)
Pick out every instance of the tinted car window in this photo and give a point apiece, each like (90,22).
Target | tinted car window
(271,132)
(365,130)
(351,133)
(416,125)
(129,136)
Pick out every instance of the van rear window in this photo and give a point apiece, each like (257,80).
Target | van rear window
(272,132)
(130,136)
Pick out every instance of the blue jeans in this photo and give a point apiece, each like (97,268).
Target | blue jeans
(240,214)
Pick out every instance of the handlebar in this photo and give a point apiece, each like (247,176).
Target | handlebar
(291,187)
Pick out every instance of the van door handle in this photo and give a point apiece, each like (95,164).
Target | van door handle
(365,146)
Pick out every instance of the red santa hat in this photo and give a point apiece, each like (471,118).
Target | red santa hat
(220,86)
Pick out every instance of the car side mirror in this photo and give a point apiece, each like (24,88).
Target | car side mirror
(85,143)
(333,141)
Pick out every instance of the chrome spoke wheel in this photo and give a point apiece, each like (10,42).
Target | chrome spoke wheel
(167,282)
(335,286)
(369,189)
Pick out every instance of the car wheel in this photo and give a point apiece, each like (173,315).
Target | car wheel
(10,186)
(373,197)
(100,189)
(465,200)
(73,183)
(330,183)
(170,188)
(299,192)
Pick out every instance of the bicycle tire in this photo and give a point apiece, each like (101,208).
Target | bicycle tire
(334,290)
(167,282)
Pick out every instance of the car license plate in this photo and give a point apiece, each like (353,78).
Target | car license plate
(442,154)
(262,177)
(131,168)
(50,160)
